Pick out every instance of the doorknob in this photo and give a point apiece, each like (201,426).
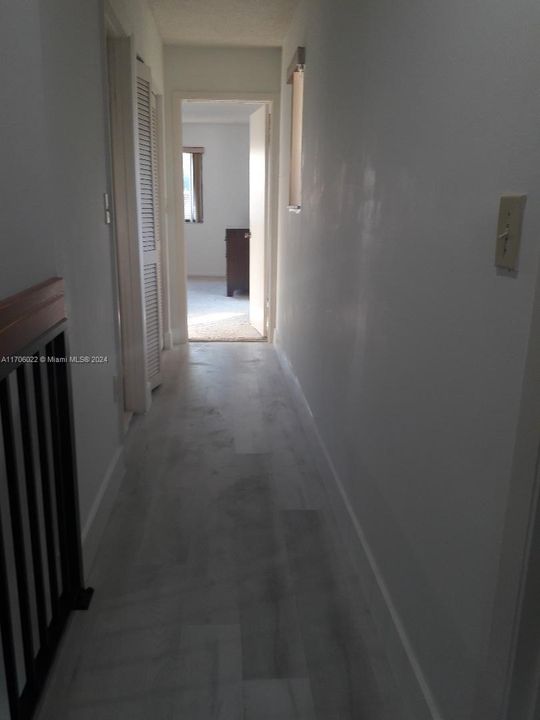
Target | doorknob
(247,235)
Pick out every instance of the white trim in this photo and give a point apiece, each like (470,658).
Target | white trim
(113,26)
(177,337)
(179,275)
(107,33)
(101,509)
(123,141)
(164,248)
(500,688)
(180,335)
(168,340)
(401,655)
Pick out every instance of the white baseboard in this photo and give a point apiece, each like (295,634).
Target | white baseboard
(407,670)
(101,509)
(179,337)
(168,341)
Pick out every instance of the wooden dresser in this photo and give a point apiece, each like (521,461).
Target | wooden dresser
(237,254)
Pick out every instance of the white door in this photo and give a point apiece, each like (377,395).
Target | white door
(121,58)
(149,225)
(258,168)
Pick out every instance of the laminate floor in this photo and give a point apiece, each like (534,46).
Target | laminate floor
(223,591)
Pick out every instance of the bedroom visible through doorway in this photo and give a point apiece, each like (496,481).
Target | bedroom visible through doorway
(225,166)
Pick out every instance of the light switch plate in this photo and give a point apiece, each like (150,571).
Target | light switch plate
(511,209)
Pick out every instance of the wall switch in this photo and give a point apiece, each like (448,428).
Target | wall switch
(511,209)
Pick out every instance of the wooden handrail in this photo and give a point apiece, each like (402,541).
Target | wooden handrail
(26,316)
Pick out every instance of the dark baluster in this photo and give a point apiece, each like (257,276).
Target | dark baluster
(31,498)
(58,464)
(44,457)
(65,472)
(6,624)
(17,529)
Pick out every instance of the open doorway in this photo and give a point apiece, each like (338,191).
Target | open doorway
(225,199)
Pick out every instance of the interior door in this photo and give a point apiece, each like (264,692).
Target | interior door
(148,226)
(258,169)
(121,69)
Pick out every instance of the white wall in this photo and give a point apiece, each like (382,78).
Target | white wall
(222,69)
(53,175)
(409,346)
(25,193)
(225,193)
(136,18)
(207,71)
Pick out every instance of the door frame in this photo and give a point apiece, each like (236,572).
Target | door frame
(255,205)
(111,29)
(162,180)
(131,387)
(272,192)
(503,691)
(121,61)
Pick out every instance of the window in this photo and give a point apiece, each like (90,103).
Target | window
(295,77)
(193,185)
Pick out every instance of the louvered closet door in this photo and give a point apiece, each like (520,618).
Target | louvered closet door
(149,225)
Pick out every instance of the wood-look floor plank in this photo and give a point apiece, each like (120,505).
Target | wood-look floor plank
(339,639)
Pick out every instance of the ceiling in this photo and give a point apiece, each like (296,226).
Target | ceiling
(217,111)
(223,22)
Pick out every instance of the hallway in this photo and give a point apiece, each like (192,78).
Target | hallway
(223,591)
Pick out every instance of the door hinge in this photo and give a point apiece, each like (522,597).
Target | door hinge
(107,208)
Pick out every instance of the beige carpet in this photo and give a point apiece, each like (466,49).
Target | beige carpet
(214,316)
